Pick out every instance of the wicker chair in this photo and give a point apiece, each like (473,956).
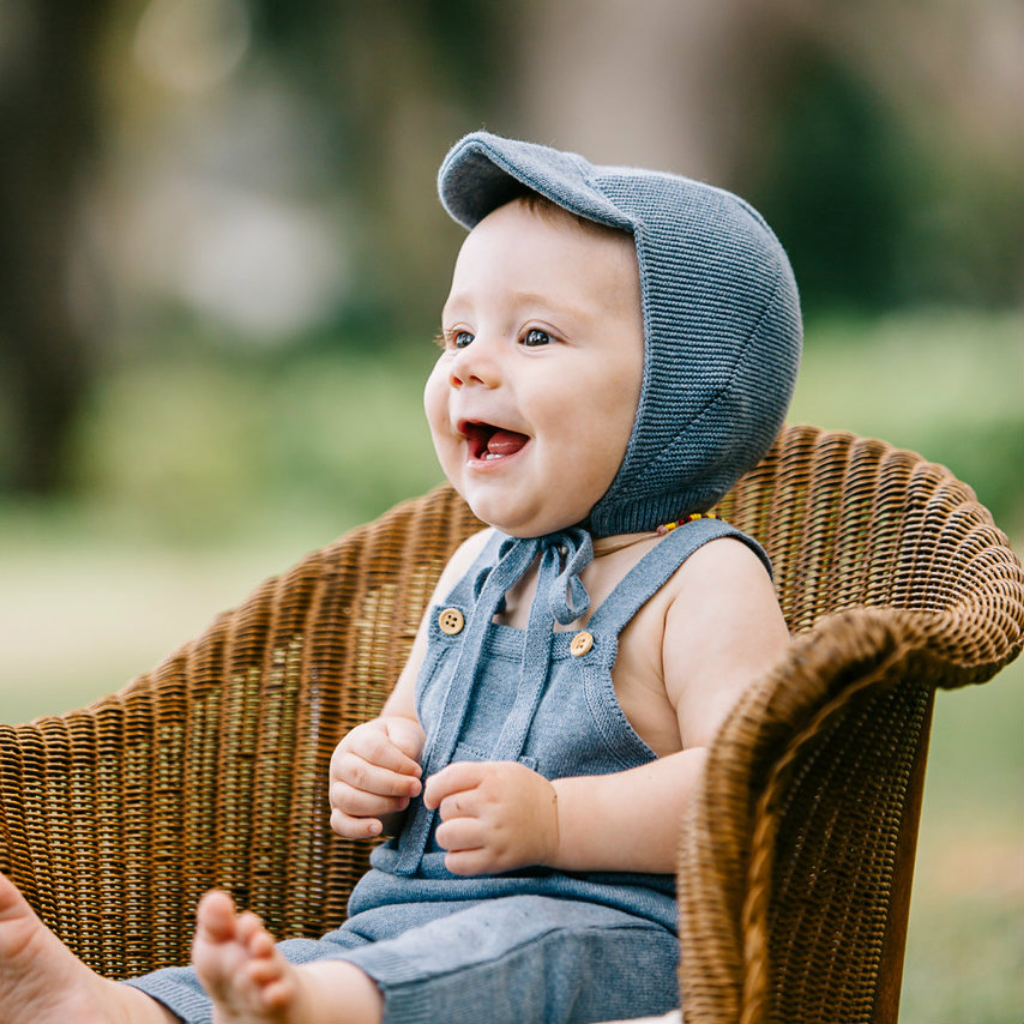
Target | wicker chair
(797,855)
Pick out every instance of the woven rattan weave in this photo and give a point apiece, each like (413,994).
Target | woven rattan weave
(797,851)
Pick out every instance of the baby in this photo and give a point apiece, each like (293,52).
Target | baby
(618,347)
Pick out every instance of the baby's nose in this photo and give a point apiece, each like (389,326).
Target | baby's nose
(474,365)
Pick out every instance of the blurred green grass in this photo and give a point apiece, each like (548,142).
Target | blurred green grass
(965,943)
(200,472)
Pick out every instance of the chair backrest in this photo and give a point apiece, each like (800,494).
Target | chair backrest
(211,769)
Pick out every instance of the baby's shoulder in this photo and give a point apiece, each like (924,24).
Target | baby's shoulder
(721,587)
(722,599)
(713,588)
(463,557)
(468,551)
(730,556)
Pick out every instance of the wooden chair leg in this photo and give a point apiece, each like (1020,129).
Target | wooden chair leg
(890,984)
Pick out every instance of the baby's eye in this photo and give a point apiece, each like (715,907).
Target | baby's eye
(535,336)
(460,339)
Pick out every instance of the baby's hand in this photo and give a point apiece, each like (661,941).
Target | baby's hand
(496,816)
(375,772)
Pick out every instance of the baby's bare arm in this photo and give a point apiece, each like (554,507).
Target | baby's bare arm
(375,769)
(723,630)
(499,816)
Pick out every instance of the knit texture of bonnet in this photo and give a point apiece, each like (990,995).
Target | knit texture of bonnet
(721,317)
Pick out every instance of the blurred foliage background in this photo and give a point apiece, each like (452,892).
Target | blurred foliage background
(222,260)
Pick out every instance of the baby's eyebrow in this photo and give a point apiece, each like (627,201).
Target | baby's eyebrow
(543,303)
(556,308)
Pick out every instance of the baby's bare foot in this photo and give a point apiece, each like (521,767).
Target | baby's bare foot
(240,967)
(250,982)
(42,981)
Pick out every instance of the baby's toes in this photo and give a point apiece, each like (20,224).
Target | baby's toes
(266,970)
(261,944)
(215,917)
(248,929)
(272,982)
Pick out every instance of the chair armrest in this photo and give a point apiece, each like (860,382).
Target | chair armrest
(790,847)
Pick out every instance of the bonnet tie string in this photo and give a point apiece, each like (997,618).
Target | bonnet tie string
(561,597)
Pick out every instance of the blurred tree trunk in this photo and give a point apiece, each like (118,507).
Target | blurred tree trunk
(48,139)
(402,81)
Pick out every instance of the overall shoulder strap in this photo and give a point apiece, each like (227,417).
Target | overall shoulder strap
(655,569)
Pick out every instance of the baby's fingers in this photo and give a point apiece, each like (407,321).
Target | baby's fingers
(355,771)
(375,747)
(454,778)
(407,735)
(352,810)
(352,803)
(462,834)
(361,804)
(349,827)
(472,862)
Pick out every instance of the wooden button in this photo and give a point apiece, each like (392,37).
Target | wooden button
(451,621)
(581,643)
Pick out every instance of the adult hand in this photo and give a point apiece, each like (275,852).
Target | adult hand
(495,816)
(375,772)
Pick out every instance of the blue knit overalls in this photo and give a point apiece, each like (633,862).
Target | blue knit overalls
(534,944)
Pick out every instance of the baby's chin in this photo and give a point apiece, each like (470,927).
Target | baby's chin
(525,519)
(527,530)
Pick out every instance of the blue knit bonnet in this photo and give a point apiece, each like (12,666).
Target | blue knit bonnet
(721,317)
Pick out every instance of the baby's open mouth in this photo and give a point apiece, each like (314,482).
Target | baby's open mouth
(487,441)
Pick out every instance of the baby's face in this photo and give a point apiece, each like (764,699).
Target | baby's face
(532,402)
